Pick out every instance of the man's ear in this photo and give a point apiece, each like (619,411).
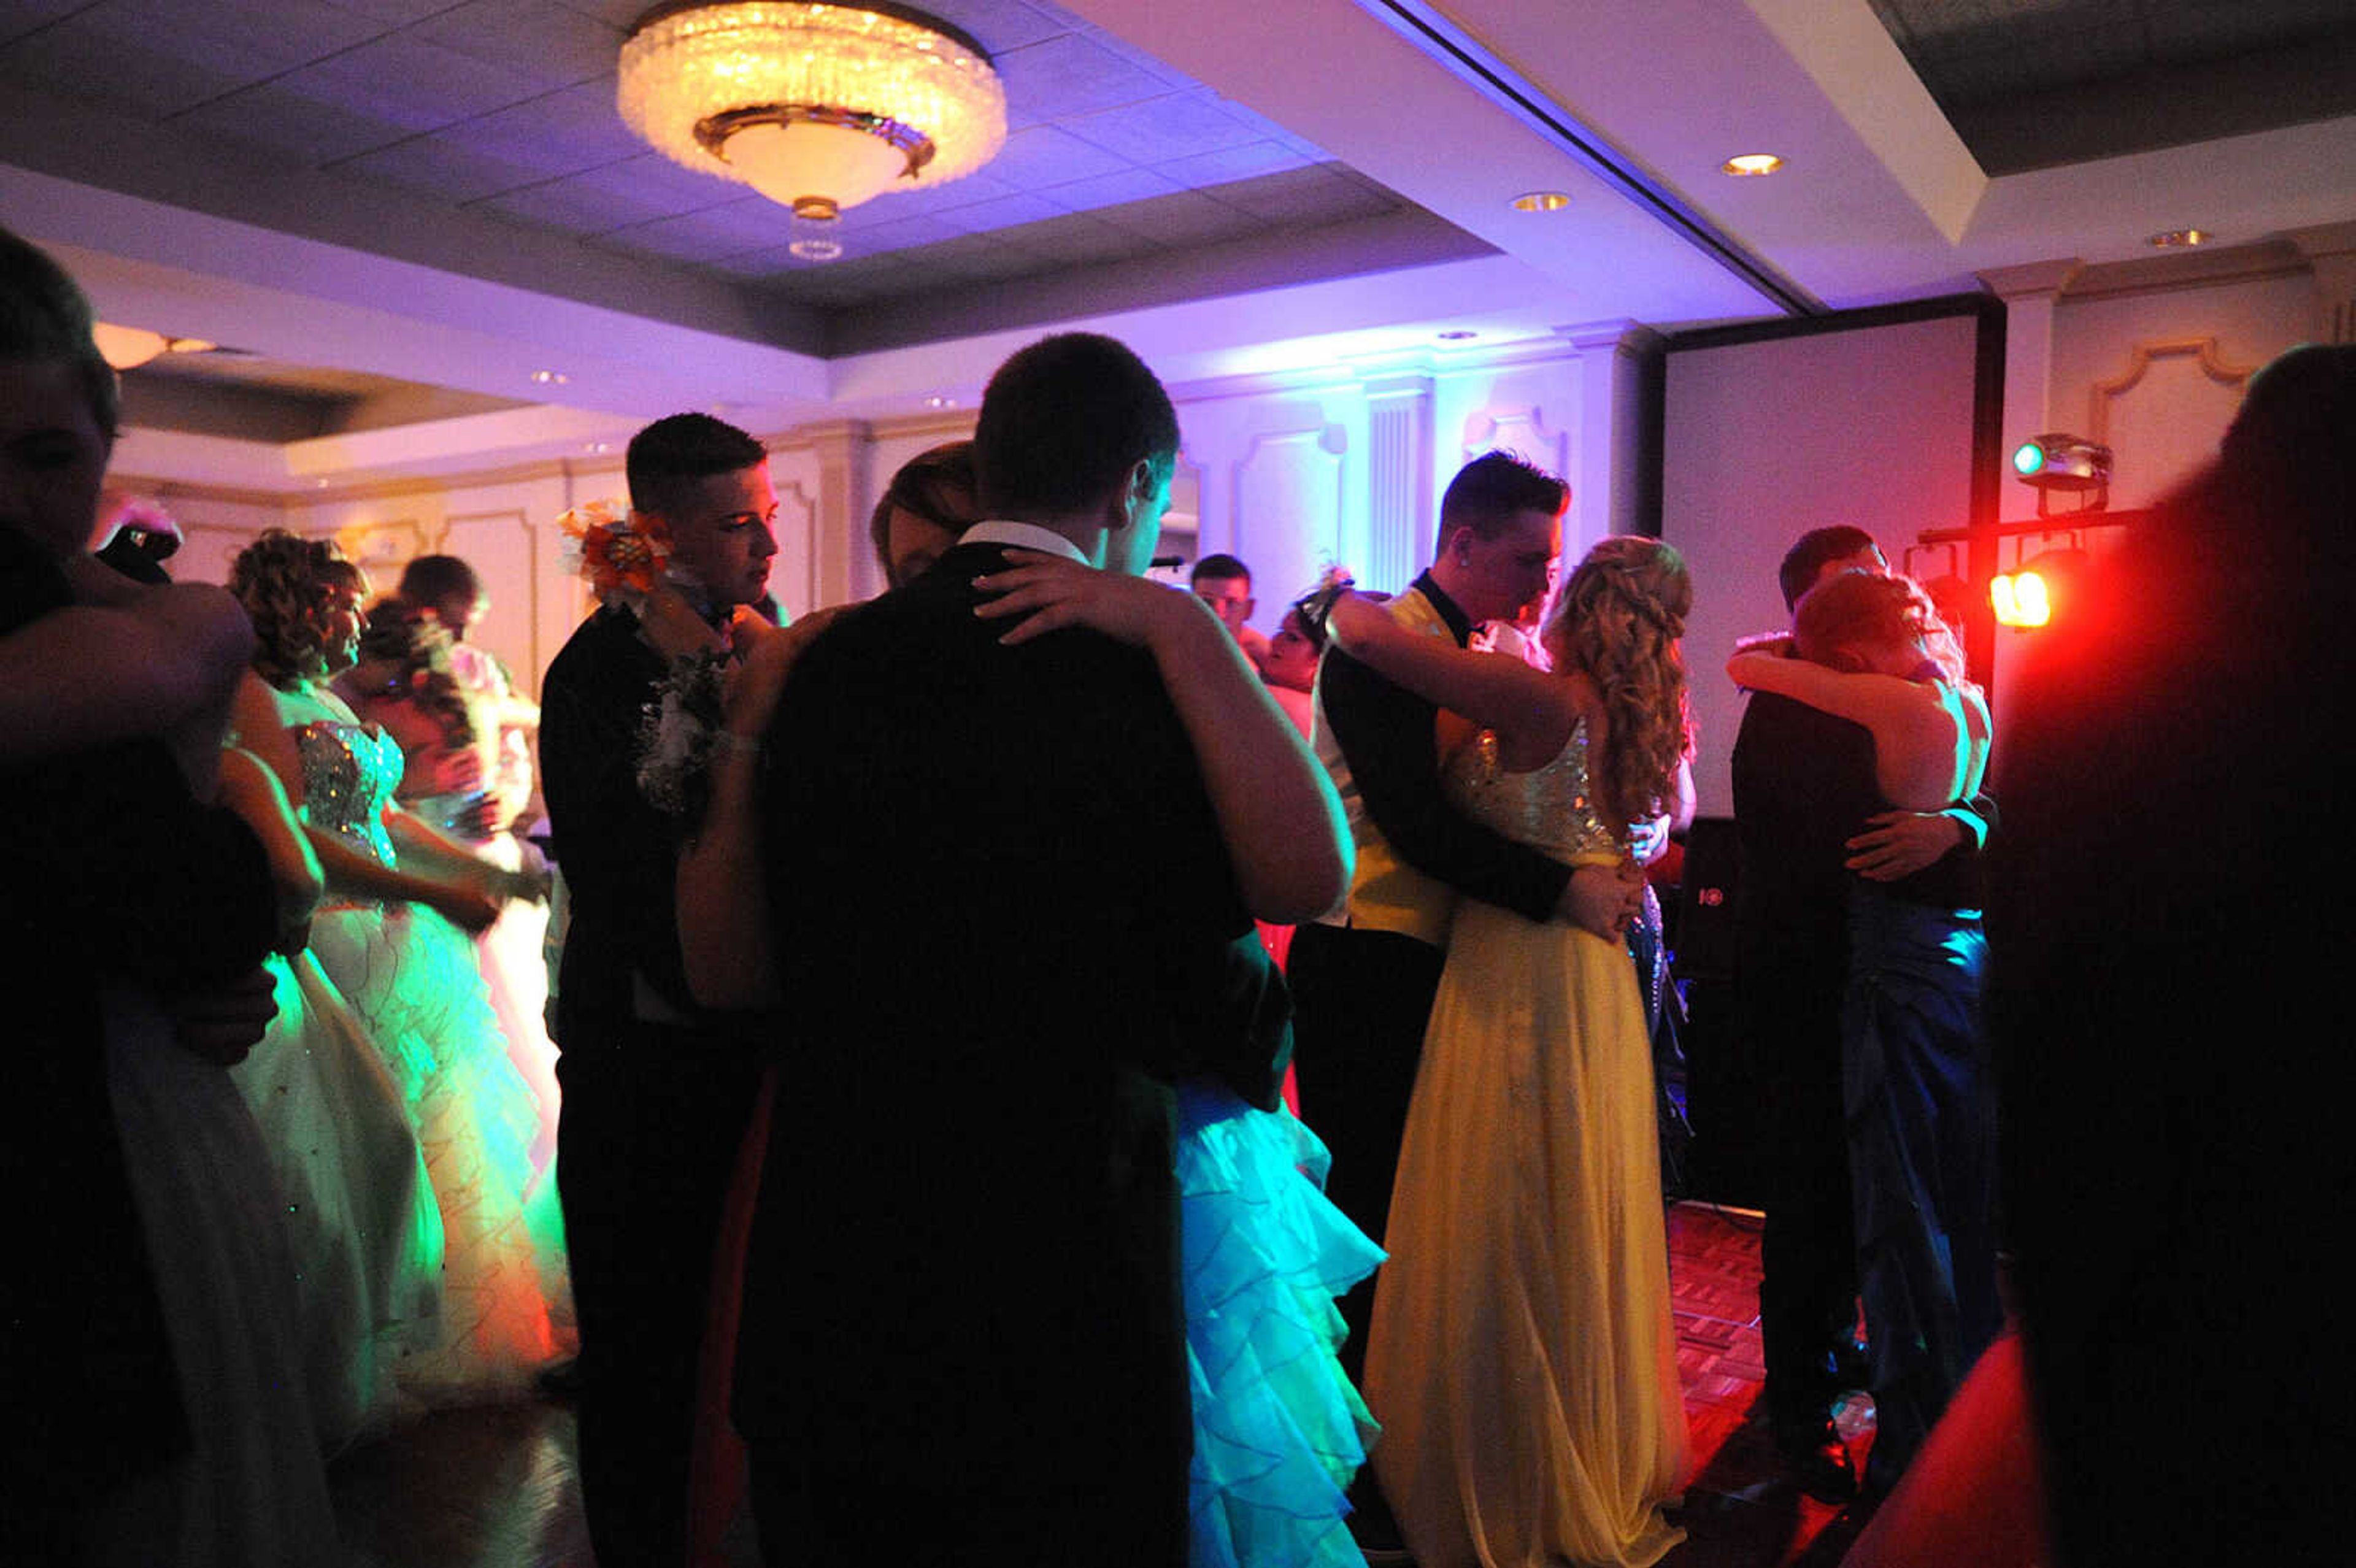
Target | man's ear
(1134,494)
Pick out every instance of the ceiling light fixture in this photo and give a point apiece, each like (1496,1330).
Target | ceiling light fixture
(817,107)
(1751,166)
(550,377)
(2170,238)
(1541,201)
(128,347)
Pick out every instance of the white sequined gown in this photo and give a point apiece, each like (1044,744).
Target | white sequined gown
(1522,1359)
(412,977)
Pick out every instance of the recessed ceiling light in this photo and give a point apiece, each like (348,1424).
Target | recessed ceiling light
(1457,335)
(940,402)
(550,377)
(1750,165)
(2181,237)
(1541,201)
(596,447)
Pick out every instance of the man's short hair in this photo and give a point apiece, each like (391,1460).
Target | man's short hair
(430,581)
(920,487)
(1062,421)
(1219,568)
(1805,560)
(44,314)
(1494,488)
(670,456)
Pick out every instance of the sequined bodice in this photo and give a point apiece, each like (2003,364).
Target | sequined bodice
(1550,808)
(349,774)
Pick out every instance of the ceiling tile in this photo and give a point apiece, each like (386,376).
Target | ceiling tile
(1114,44)
(619,194)
(18,18)
(1068,75)
(1043,156)
(1111,190)
(436,168)
(900,236)
(615,13)
(1305,197)
(1003,213)
(537,40)
(1189,218)
(924,202)
(1229,164)
(1079,240)
(392,13)
(153,59)
(1176,125)
(975,256)
(379,93)
(999,25)
(561,133)
(751,224)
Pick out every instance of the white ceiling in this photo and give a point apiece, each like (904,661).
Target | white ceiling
(441,194)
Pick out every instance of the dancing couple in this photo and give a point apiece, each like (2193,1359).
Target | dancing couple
(1521,1353)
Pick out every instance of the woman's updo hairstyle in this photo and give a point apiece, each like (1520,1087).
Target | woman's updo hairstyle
(284,582)
(401,634)
(1857,609)
(1617,621)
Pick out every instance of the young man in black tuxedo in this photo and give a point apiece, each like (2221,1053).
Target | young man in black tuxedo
(656,1091)
(1006,917)
(1799,777)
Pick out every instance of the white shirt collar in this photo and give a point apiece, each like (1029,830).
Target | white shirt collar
(1023,536)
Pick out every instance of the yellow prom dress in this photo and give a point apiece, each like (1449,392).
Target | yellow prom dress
(1522,1360)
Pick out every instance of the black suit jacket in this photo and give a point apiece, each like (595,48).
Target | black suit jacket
(618,854)
(1004,920)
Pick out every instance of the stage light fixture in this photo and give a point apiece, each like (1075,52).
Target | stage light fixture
(2038,589)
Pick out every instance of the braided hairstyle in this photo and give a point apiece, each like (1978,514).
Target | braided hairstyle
(284,580)
(1617,621)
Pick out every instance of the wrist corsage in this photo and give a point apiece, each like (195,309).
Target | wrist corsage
(677,730)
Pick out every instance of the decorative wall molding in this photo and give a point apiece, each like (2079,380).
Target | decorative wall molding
(1288,492)
(386,544)
(2202,351)
(1519,429)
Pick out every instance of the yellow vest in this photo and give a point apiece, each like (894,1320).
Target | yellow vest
(1386,892)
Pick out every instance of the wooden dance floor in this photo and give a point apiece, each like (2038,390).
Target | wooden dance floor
(498,1489)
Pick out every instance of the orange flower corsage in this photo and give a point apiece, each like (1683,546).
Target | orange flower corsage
(621,552)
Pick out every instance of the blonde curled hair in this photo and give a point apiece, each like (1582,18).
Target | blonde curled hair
(1617,621)
(284,582)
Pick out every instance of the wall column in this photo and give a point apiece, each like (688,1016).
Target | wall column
(1399,477)
(2331,251)
(2030,293)
(844,500)
(1607,487)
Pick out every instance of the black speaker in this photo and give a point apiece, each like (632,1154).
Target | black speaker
(1713,870)
(1723,1091)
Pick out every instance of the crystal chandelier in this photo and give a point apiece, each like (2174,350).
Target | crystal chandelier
(818,107)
